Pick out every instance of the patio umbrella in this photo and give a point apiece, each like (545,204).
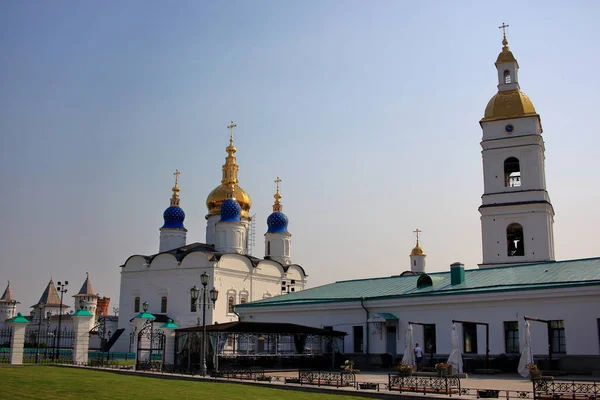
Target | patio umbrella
(409,350)
(527,354)
(455,358)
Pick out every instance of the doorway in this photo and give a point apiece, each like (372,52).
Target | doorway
(391,342)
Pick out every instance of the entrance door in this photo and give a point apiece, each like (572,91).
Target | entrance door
(391,342)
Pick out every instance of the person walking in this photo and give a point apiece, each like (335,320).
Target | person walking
(418,355)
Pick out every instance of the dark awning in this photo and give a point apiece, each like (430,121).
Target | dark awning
(263,327)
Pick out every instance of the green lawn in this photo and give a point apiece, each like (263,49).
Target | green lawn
(47,382)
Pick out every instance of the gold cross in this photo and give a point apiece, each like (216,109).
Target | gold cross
(176,173)
(417,231)
(503,27)
(230,127)
(277,181)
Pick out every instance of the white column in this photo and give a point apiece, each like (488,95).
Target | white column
(81,323)
(169,350)
(17,339)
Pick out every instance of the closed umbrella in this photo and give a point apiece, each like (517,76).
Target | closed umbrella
(527,354)
(409,348)
(455,358)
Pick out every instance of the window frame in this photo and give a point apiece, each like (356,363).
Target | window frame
(470,342)
(136,304)
(163,304)
(561,337)
(511,335)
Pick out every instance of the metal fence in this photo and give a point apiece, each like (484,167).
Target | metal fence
(43,345)
(5,336)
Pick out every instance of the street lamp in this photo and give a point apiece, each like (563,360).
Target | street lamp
(62,289)
(214,294)
(40,315)
(145,306)
(48,315)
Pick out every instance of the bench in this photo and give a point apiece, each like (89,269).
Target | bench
(327,378)
(551,389)
(424,384)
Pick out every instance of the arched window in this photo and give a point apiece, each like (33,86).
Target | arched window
(243,300)
(512,172)
(514,240)
(230,302)
(163,304)
(269,248)
(507,76)
(136,305)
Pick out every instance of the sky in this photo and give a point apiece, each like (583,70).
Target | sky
(368,111)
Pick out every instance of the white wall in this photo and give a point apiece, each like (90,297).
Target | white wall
(577,307)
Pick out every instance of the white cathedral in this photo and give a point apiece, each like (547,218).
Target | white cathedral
(162,283)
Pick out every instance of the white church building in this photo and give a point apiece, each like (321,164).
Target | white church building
(162,283)
(517,278)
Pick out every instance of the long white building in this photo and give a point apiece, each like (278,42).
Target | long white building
(518,277)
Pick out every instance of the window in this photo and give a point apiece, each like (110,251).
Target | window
(507,76)
(358,338)
(429,338)
(514,240)
(415,263)
(269,248)
(557,332)
(136,305)
(163,304)
(511,337)
(230,302)
(193,306)
(470,338)
(243,300)
(512,172)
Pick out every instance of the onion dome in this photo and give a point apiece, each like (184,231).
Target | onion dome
(174,215)
(230,208)
(277,222)
(230,169)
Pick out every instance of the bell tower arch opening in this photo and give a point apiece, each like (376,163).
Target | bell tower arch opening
(512,172)
(514,240)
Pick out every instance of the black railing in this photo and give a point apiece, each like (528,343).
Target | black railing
(327,378)
(424,384)
(562,389)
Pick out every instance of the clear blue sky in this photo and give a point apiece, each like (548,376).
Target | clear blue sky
(367,110)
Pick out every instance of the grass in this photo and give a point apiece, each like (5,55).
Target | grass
(50,383)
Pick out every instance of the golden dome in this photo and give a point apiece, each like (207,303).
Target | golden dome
(219,194)
(417,251)
(508,104)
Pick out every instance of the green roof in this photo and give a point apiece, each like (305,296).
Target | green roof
(145,315)
(20,319)
(571,273)
(83,313)
(170,325)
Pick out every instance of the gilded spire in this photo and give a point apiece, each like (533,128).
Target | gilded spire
(230,168)
(505,55)
(277,207)
(175,197)
(504,41)
(417,251)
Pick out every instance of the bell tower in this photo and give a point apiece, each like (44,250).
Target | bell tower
(516,214)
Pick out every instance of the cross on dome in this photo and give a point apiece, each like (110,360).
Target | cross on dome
(503,27)
(176,173)
(231,127)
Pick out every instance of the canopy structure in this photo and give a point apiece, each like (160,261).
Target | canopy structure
(409,350)
(259,344)
(455,358)
(527,354)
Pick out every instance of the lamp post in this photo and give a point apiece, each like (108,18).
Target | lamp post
(48,315)
(40,312)
(214,294)
(62,289)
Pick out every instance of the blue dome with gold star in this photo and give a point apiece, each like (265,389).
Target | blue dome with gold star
(174,217)
(277,223)
(230,211)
